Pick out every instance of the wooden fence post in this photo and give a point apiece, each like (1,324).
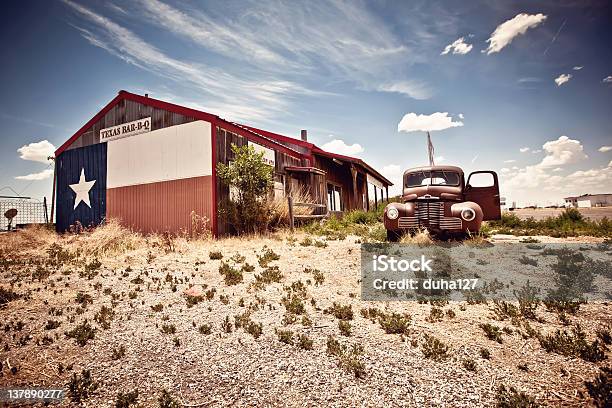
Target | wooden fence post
(290,203)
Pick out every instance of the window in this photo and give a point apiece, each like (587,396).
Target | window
(334,197)
(432,178)
(481,180)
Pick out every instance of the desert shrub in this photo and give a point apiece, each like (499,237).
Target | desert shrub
(394,323)
(7,295)
(485,353)
(205,329)
(52,324)
(504,310)
(118,352)
(469,364)
(600,389)
(435,315)
(511,398)
(293,304)
(104,316)
(269,275)
(232,276)
(193,300)
(349,358)
(525,260)
(168,328)
(84,299)
(81,386)
(158,307)
(340,312)
(226,325)
(254,329)
(492,332)
(434,349)
(266,257)
(573,344)
(604,335)
(304,342)
(251,178)
(215,255)
(165,400)
(126,400)
(285,336)
(528,300)
(345,328)
(474,297)
(82,333)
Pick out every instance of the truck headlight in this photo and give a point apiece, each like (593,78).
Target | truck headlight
(467,214)
(392,213)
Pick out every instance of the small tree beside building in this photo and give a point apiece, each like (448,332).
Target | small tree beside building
(250,180)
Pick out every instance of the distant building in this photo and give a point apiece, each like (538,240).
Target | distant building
(589,200)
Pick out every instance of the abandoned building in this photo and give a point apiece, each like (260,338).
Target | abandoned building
(152,164)
(589,200)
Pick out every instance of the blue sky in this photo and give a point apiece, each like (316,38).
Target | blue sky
(346,71)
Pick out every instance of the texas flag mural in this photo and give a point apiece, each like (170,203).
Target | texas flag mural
(150,181)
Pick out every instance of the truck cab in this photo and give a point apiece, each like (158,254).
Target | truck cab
(439,199)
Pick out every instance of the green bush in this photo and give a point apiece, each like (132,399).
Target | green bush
(252,179)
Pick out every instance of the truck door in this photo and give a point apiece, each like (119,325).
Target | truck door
(482,187)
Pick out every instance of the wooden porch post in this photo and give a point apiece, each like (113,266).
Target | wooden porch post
(355,192)
(387,188)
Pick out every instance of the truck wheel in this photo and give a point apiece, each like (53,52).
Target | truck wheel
(393,236)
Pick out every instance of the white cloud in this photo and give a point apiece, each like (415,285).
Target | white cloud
(536,151)
(411,122)
(394,173)
(562,151)
(37,151)
(563,78)
(504,170)
(415,90)
(524,149)
(439,159)
(474,159)
(510,161)
(43,175)
(607,79)
(339,146)
(577,67)
(605,149)
(460,116)
(539,183)
(459,46)
(510,29)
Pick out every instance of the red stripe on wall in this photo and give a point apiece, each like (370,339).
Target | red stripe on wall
(163,206)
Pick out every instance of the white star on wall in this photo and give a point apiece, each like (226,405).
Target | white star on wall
(82,190)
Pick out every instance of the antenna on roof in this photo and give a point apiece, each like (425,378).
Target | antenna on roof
(430,150)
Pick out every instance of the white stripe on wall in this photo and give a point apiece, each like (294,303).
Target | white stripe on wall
(170,153)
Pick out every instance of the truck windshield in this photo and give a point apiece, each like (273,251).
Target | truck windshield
(432,178)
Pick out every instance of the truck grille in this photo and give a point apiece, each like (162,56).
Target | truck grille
(430,214)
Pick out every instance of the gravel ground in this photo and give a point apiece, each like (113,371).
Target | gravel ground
(237,369)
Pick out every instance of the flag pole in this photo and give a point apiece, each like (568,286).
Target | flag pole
(430,150)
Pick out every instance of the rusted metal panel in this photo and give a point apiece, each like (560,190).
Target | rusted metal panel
(163,206)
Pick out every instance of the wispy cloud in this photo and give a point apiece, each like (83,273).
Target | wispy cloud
(241,99)
(326,41)
(577,67)
(43,175)
(607,79)
(506,32)
(605,149)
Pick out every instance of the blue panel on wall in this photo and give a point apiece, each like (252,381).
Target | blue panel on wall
(81,186)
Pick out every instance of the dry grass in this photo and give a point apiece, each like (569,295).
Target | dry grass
(270,360)
(421,238)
